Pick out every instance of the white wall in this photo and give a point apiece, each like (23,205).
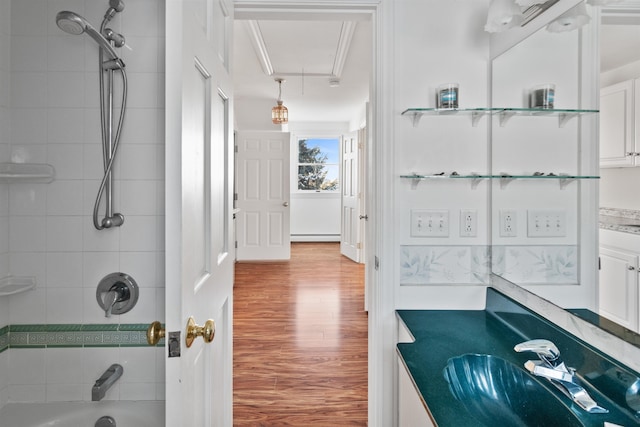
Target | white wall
(55,119)
(436,43)
(615,182)
(4,194)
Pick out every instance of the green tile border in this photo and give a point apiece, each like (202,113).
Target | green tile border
(74,336)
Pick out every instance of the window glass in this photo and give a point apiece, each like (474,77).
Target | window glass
(318,164)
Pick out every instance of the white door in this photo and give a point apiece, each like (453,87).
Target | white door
(262,196)
(350,221)
(199,248)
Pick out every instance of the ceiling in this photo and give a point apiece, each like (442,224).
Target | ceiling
(619,45)
(307,54)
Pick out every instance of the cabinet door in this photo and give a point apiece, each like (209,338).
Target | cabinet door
(618,288)
(411,409)
(617,129)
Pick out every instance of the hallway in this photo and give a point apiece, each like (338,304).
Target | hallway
(300,340)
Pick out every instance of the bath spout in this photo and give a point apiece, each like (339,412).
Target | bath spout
(105,382)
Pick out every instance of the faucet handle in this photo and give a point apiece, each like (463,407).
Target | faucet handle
(545,349)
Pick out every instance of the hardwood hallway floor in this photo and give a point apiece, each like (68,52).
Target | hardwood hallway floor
(300,341)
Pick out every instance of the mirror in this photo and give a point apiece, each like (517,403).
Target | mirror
(544,227)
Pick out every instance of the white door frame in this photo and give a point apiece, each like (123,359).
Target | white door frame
(381,304)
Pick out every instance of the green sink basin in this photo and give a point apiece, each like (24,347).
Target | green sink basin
(498,393)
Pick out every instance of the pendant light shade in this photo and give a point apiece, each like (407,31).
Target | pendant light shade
(279,113)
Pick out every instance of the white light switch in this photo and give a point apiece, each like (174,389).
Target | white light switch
(429,223)
(546,223)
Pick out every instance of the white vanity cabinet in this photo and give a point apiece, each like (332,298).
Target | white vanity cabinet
(619,297)
(412,411)
(619,112)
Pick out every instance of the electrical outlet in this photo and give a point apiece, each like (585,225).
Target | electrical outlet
(508,223)
(429,223)
(468,223)
(546,223)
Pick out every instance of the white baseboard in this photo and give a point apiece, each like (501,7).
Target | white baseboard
(315,237)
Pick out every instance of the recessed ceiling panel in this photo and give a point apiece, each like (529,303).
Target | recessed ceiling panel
(297,45)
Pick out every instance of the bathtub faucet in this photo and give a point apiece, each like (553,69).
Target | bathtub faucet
(105,382)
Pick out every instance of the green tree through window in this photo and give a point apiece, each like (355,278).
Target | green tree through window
(318,161)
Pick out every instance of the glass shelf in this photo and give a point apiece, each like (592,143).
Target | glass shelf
(13,285)
(26,172)
(564,115)
(505,178)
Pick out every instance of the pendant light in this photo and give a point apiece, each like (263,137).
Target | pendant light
(503,14)
(279,113)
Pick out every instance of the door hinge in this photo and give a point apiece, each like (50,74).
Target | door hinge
(235,148)
(376,263)
(599,263)
(235,196)
(235,244)
(358,245)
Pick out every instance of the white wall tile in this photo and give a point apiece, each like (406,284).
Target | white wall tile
(64,269)
(28,234)
(67,160)
(139,364)
(143,58)
(29,53)
(29,264)
(65,198)
(31,153)
(145,309)
(142,18)
(65,89)
(63,366)
(65,52)
(138,162)
(64,233)
(142,266)
(141,126)
(4,377)
(64,126)
(143,90)
(27,393)
(28,125)
(64,392)
(139,197)
(139,234)
(138,391)
(27,199)
(27,366)
(29,17)
(28,307)
(29,90)
(99,240)
(64,305)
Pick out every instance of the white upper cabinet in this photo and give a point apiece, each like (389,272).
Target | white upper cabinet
(619,138)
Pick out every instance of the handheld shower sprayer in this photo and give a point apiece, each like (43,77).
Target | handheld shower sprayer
(75,24)
(109,63)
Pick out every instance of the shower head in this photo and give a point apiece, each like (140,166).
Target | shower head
(118,5)
(75,24)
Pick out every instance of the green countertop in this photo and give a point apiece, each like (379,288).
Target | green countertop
(442,334)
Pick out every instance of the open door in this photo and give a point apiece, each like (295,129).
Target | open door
(350,244)
(199,247)
(263,195)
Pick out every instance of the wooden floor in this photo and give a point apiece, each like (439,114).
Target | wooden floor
(300,341)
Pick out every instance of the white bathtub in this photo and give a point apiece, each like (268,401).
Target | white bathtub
(82,414)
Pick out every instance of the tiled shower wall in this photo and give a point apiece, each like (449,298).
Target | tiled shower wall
(54,118)
(4,195)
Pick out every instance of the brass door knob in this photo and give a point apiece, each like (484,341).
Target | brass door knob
(207,332)
(155,333)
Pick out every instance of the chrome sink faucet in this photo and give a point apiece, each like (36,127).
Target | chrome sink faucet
(105,382)
(552,367)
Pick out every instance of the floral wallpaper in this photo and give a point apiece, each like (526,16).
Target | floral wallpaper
(426,265)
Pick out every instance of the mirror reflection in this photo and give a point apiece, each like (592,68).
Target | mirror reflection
(544,226)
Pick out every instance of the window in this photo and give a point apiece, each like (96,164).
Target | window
(318,164)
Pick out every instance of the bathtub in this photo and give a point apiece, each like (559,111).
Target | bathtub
(83,414)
